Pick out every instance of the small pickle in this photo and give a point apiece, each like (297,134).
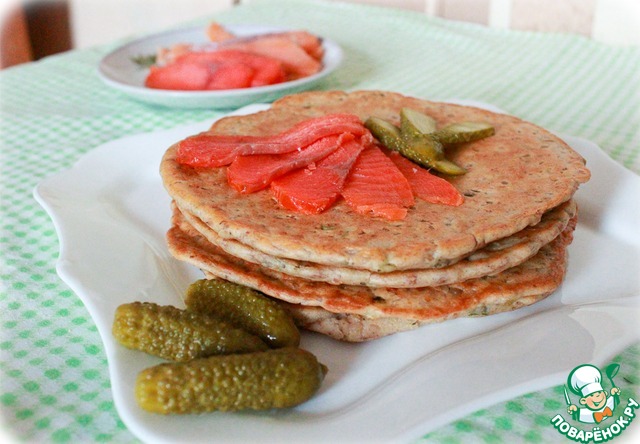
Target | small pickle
(179,335)
(391,137)
(463,132)
(447,167)
(415,123)
(278,378)
(422,149)
(386,132)
(418,132)
(245,308)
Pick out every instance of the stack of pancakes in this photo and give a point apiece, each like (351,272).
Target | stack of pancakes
(355,277)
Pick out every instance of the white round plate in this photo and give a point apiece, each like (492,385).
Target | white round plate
(111,214)
(119,70)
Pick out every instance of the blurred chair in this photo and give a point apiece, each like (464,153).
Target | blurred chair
(34,29)
(15,45)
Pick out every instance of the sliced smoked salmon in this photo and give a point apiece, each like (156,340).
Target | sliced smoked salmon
(277,57)
(218,33)
(184,77)
(312,44)
(266,70)
(297,62)
(231,76)
(248,174)
(211,70)
(212,150)
(375,186)
(425,185)
(315,188)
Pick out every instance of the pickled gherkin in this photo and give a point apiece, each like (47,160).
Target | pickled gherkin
(245,308)
(179,335)
(421,149)
(278,378)
(386,132)
(419,140)
(414,123)
(463,132)
(447,167)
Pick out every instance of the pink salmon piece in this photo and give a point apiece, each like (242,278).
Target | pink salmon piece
(215,150)
(265,70)
(314,189)
(296,61)
(375,186)
(183,77)
(425,185)
(248,174)
(231,76)
(215,70)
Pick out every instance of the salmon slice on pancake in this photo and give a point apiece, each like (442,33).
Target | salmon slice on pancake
(248,174)
(214,150)
(313,189)
(425,185)
(375,185)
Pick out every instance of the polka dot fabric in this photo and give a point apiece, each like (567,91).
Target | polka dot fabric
(54,383)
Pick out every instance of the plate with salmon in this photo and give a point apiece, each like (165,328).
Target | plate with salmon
(406,283)
(219,66)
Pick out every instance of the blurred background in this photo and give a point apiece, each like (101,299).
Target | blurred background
(32,29)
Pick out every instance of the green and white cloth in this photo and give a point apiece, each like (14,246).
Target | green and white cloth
(54,383)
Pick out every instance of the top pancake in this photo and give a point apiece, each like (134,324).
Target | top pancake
(513,178)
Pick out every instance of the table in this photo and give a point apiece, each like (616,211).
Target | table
(54,384)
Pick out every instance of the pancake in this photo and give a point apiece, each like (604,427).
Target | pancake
(513,178)
(493,258)
(354,277)
(517,286)
(343,326)
(347,327)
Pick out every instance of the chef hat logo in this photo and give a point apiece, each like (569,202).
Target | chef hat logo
(585,380)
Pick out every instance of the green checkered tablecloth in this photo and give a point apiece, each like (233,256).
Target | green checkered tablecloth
(54,383)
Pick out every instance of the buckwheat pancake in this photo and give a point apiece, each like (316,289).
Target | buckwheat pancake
(344,326)
(513,178)
(493,258)
(526,283)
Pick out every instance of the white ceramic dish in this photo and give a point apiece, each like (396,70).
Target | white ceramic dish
(111,214)
(118,70)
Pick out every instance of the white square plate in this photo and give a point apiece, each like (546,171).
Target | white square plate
(111,214)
